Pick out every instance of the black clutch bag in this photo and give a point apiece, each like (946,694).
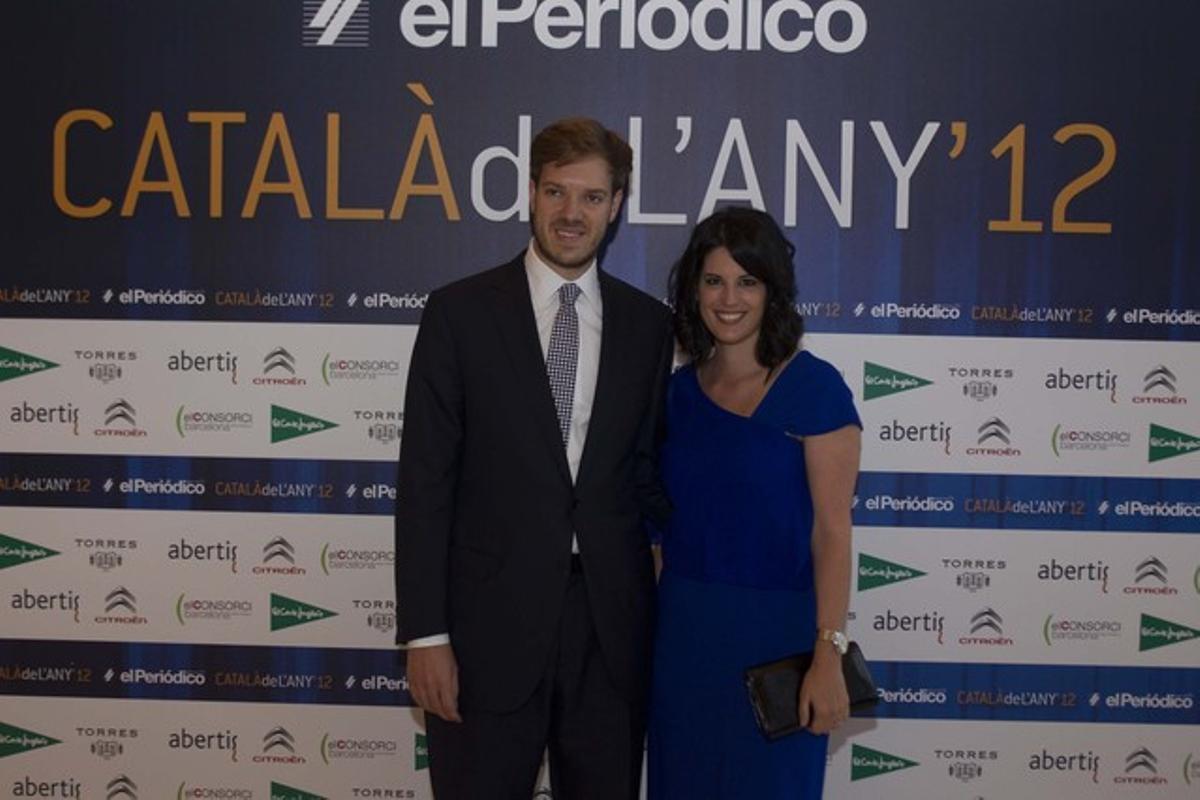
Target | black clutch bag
(774,689)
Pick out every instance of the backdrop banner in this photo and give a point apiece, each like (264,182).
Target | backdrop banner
(225,219)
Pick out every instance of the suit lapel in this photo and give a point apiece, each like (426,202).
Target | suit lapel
(613,337)
(518,330)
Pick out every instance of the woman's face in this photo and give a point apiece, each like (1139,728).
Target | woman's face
(732,301)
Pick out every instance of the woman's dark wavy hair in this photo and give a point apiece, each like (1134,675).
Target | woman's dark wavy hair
(759,247)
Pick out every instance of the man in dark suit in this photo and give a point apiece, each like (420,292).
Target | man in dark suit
(523,571)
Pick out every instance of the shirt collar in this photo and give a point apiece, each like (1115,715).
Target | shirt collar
(544,282)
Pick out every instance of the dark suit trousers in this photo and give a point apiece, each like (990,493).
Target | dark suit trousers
(593,736)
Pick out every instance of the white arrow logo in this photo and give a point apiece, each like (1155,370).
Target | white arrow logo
(332,18)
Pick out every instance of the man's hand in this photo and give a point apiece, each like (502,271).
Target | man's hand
(433,680)
(824,701)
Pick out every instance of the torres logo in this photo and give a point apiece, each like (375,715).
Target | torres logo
(288,613)
(1156,632)
(1168,443)
(881,381)
(337,23)
(874,572)
(279,369)
(289,424)
(868,763)
(1160,387)
(15,364)
(14,740)
(14,552)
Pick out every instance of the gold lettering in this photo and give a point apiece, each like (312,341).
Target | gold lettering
(333,209)
(156,133)
(64,203)
(216,121)
(277,133)
(425,133)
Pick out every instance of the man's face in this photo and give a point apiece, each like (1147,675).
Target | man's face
(572,206)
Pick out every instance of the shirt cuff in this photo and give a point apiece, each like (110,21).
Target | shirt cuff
(428,641)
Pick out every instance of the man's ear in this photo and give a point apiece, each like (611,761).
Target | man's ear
(618,197)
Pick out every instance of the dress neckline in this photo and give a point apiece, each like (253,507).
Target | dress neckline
(794,357)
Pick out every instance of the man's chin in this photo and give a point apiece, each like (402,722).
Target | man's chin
(566,261)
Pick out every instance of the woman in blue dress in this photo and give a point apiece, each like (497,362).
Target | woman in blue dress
(760,461)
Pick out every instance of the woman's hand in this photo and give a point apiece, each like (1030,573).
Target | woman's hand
(824,701)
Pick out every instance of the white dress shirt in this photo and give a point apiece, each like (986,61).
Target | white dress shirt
(589,307)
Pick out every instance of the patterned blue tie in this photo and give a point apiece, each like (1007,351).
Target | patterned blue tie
(562,356)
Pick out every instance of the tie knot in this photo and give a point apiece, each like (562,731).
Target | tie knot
(568,293)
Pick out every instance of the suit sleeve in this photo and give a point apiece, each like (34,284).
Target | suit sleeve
(652,496)
(430,454)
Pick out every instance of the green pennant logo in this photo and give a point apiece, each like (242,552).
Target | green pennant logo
(280,791)
(288,613)
(880,381)
(874,572)
(1156,632)
(288,424)
(14,552)
(421,752)
(15,364)
(867,763)
(14,740)
(1168,443)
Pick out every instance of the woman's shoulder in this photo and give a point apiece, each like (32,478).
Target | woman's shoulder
(809,371)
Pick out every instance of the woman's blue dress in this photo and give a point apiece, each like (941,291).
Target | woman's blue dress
(737,585)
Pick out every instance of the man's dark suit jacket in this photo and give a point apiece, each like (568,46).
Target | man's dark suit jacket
(486,504)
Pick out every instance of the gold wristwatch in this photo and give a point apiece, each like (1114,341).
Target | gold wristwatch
(836,638)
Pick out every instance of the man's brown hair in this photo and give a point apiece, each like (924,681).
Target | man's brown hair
(576,138)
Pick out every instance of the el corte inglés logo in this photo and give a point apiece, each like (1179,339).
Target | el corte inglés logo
(280,791)
(288,424)
(874,572)
(1168,443)
(14,551)
(880,381)
(868,763)
(287,613)
(1155,632)
(14,740)
(15,364)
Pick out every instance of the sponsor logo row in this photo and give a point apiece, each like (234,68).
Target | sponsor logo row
(1157,385)
(276,366)
(119,422)
(1137,768)
(121,607)
(1149,577)
(277,557)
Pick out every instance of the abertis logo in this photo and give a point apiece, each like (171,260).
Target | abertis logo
(287,424)
(874,572)
(287,613)
(880,381)
(868,763)
(14,740)
(14,551)
(1156,632)
(15,364)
